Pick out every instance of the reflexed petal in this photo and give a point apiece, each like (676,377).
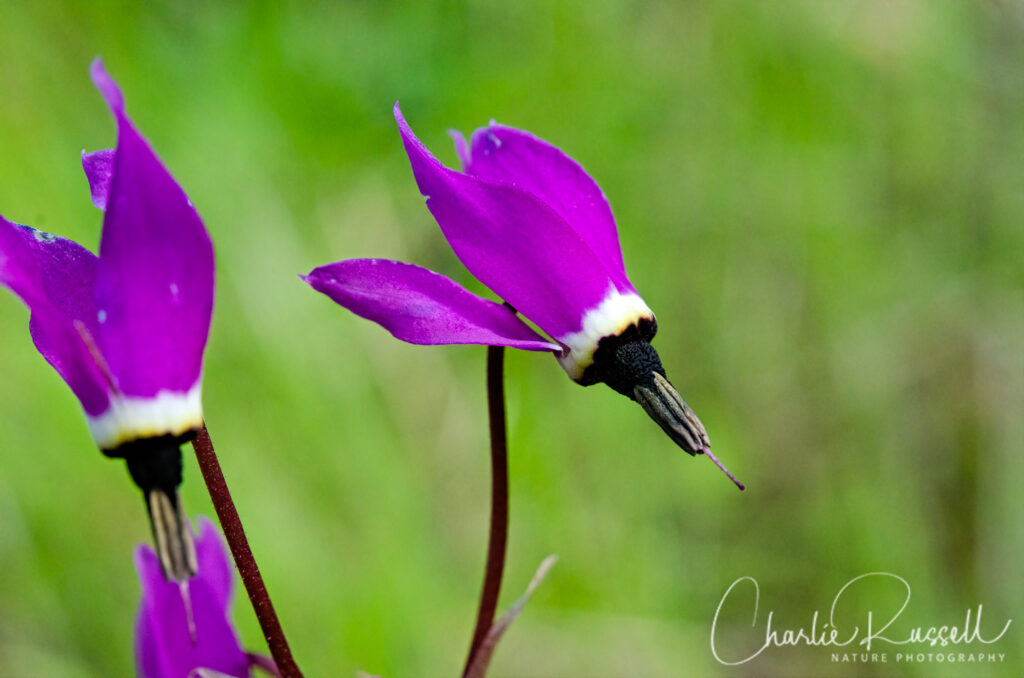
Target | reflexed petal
(167,645)
(512,242)
(99,166)
(154,282)
(511,156)
(54,277)
(422,307)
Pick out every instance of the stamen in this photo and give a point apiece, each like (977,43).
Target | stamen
(724,470)
(174,546)
(658,410)
(157,511)
(680,407)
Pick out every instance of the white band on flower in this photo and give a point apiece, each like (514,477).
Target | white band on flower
(132,417)
(611,317)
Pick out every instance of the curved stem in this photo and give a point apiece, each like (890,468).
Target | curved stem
(250,573)
(498,538)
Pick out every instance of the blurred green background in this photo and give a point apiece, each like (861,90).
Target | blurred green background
(821,201)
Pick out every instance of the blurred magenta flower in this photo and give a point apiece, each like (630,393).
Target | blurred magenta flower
(184,630)
(126,330)
(535,228)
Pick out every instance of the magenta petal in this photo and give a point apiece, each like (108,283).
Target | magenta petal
(461,147)
(517,158)
(513,242)
(54,277)
(99,166)
(167,645)
(154,282)
(422,307)
(218,569)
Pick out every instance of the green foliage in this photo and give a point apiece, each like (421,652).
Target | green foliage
(821,201)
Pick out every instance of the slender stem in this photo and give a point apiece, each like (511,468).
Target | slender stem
(498,538)
(250,573)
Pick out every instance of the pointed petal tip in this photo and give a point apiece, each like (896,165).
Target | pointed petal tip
(204,527)
(109,90)
(147,564)
(142,552)
(461,148)
(407,134)
(96,66)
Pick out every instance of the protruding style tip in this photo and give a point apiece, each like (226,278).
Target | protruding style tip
(724,470)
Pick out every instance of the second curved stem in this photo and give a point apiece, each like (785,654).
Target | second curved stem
(498,535)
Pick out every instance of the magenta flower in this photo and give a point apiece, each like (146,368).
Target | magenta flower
(184,630)
(535,228)
(126,330)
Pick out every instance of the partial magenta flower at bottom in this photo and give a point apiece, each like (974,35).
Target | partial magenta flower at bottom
(535,228)
(184,629)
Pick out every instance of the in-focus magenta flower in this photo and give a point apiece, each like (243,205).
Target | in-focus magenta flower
(535,228)
(184,630)
(126,330)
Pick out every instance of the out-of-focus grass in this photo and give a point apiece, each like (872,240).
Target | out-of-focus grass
(822,203)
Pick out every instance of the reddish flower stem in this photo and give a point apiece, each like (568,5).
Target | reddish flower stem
(250,573)
(498,538)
